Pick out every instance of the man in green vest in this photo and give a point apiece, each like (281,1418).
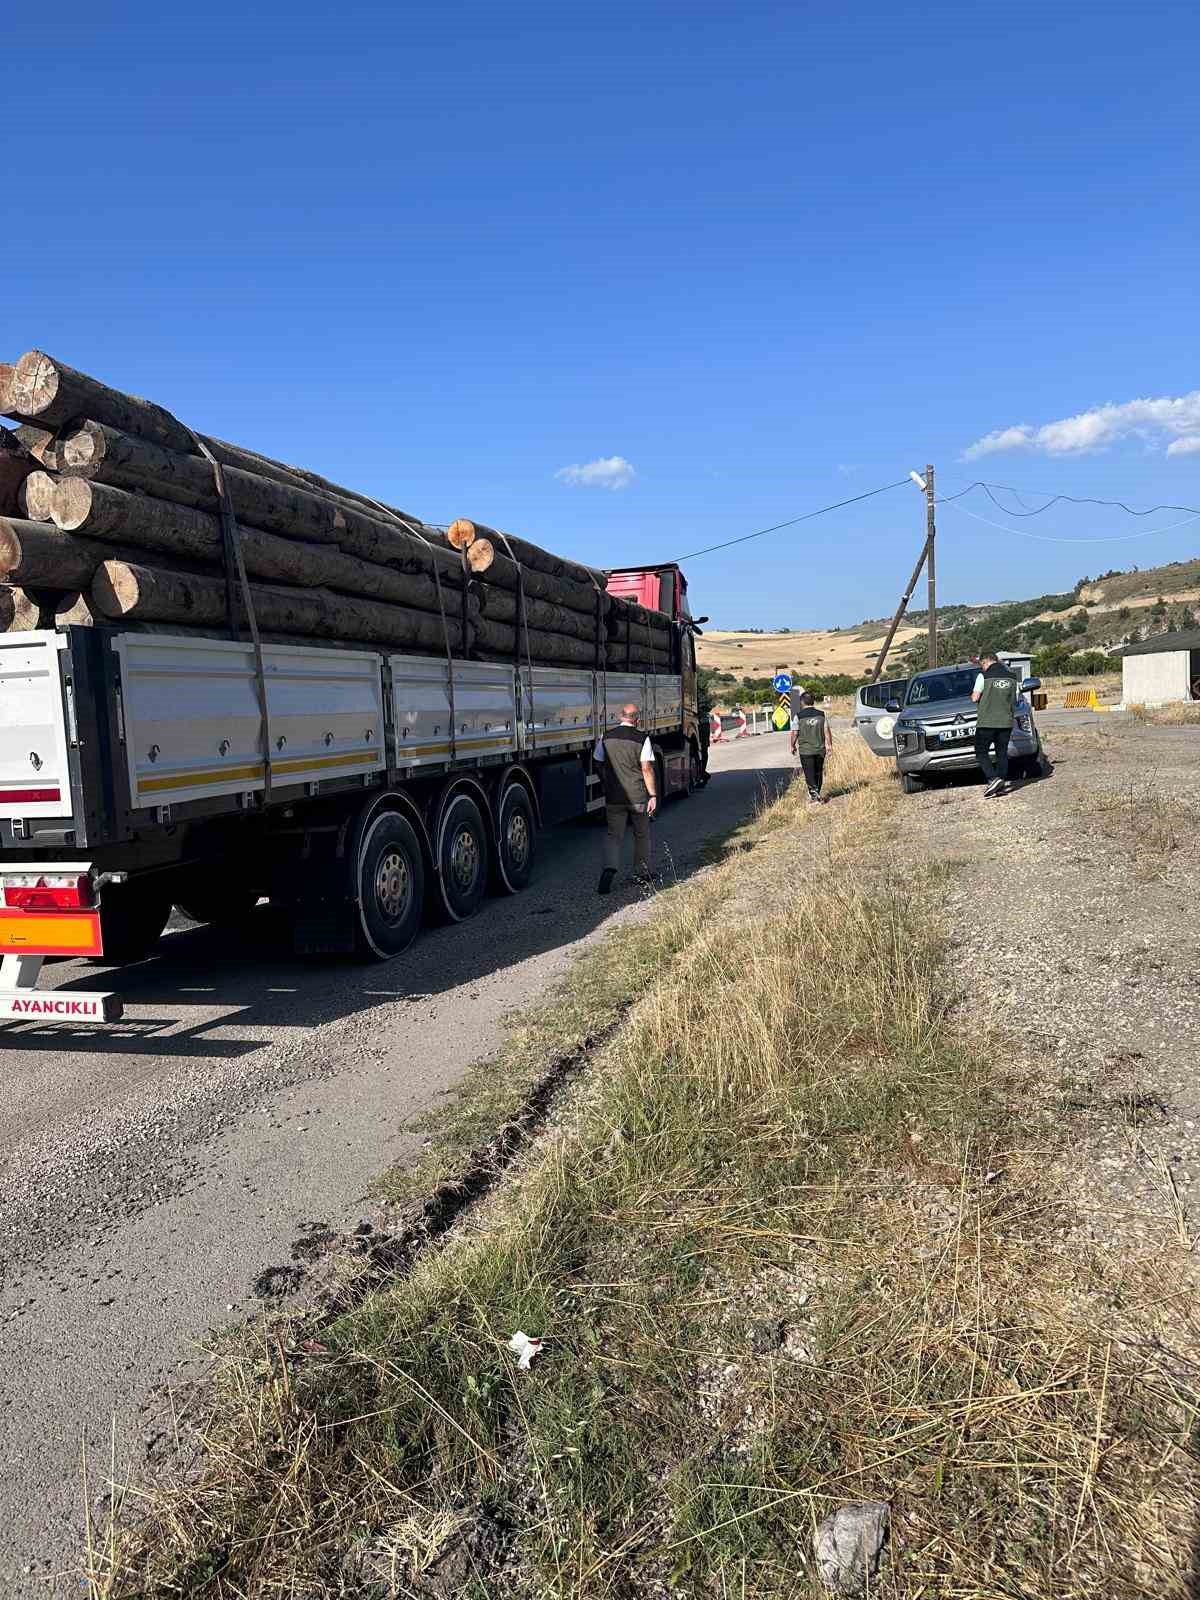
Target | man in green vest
(812,741)
(625,759)
(995,694)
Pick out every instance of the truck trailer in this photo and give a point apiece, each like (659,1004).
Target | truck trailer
(136,775)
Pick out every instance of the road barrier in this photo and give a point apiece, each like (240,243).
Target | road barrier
(1081,700)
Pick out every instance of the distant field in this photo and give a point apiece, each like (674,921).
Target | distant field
(824,650)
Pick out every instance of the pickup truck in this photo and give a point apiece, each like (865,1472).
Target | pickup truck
(934,729)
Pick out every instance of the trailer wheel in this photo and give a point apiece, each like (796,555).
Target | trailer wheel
(515,831)
(391,886)
(463,858)
(132,918)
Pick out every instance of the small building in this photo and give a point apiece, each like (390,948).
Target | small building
(1161,670)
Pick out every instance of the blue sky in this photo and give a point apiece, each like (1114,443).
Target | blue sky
(767,256)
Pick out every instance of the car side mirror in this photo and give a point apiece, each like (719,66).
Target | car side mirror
(1031,683)
(893,706)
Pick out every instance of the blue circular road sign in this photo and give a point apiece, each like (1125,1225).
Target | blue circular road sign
(782,682)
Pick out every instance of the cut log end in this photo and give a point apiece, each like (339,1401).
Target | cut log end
(6,374)
(115,589)
(461,533)
(19,612)
(480,555)
(37,496)
(83,450)
(33,387)
(70,502)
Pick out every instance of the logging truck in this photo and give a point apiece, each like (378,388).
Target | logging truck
(358,789)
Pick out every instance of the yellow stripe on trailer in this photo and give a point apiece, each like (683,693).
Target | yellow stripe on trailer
(248,772)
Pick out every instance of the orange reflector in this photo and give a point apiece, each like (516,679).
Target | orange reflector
(65,933)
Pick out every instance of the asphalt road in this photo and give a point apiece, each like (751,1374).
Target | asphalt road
(152,1170)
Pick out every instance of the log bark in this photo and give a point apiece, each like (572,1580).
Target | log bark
(19,612)
(501,606)
(15,466)
(147,594)
(40,443)
(47,392)
(105,455)
(506,574)
(36,555)
(465,532)
(35,497)
(498,641)
(97,509)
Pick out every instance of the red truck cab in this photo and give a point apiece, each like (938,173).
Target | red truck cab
(665,589)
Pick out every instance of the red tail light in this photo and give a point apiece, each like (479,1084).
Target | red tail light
(25,892)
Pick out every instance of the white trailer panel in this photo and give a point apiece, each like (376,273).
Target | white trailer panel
(193,724)
(561,709)
(33,727)
(485,710)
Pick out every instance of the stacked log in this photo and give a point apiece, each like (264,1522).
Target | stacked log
(110,512)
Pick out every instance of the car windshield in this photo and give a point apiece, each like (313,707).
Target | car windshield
(937,686)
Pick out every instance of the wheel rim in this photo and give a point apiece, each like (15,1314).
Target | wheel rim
(516,838)
(464,860)
(393,886)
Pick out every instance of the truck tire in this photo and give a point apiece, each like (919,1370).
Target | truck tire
(391,886)
(224,906)
(463,858)
(910,784)
(516,828)
(132,918)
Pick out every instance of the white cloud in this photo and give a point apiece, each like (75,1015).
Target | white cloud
(607,472)
(1171,418)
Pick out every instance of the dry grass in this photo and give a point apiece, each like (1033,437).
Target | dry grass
(1154,820)
(1181,713)
(788,1246)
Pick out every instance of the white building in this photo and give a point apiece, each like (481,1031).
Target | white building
(1161,669)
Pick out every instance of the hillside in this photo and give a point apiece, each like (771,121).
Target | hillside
(1100,614)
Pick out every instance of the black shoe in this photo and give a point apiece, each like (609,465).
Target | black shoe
(607,879)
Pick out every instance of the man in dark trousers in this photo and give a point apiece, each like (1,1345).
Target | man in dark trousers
(626,761)
(812,740)
(995,694)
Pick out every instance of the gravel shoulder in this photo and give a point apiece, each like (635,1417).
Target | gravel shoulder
(1072,907)
(158,1178)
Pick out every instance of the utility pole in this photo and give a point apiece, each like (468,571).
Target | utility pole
(931,567)
(927,555)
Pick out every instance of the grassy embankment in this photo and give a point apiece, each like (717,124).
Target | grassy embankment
(788,1244)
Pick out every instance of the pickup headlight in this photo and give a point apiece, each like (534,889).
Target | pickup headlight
(884,727)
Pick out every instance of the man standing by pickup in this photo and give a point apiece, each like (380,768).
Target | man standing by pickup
(626,761)
(812,740)
(995,693)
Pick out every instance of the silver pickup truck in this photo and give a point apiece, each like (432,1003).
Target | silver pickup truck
(935,728)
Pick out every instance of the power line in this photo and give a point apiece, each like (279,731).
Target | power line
(1054,538)
(791,523)
(1073,499)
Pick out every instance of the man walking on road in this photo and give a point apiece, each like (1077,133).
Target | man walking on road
(812,740)
(626,761)
(995,694)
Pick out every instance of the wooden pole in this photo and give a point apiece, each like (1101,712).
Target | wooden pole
(900,610)
(931,566)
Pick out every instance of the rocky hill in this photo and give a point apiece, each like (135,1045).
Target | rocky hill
(1100,614)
